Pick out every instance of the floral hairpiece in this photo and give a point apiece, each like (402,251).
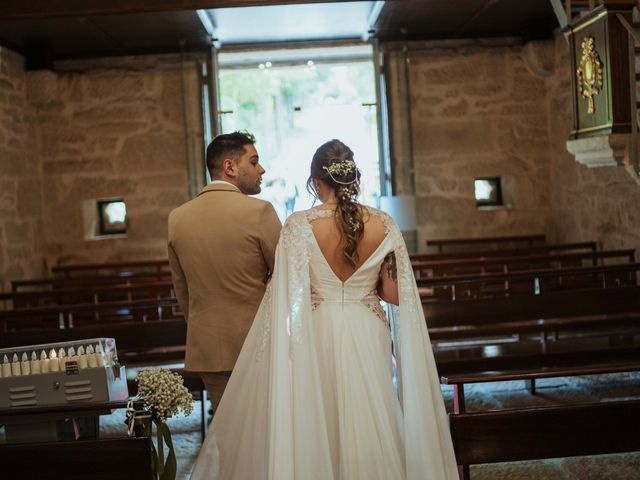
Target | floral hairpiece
(342,168)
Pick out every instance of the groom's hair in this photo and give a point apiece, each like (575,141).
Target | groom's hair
(229,145)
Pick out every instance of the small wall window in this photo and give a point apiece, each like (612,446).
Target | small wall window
(113,216)
(488,192)
(104,218)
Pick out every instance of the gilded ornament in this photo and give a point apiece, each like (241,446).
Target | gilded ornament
(590,73)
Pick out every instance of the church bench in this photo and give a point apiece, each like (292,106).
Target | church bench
(87,294)
(504,264)
(111,267)
(542,326)
(497,242)
(123,457)
(459,380)
(69,316)
(530,361)
(132,338)
(125,278)
(534,282)
(481,312)
(577,247)
(102,459)
(544,432)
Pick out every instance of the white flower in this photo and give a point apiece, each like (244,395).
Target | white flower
(164,392)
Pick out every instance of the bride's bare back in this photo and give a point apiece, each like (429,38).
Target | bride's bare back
(327,235)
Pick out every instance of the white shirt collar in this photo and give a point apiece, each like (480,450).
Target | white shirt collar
(223,182)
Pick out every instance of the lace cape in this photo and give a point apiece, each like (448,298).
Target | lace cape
(277,381)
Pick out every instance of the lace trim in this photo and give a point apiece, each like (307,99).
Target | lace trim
(295,238)
(266,307)
(316,299)
(372,302)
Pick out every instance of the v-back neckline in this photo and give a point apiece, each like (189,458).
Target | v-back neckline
(312,215)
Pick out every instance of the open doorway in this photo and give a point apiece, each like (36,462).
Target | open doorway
(293,101)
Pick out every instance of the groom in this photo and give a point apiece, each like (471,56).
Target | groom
(221,250)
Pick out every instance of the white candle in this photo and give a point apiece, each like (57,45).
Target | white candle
(15,366)
(82,358)
(6,367)
(91,357)
(62,360)
(99,355)
(25,365)
(44,362)
(35,363)
(54,365)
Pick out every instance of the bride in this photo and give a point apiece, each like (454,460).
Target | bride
(313,394)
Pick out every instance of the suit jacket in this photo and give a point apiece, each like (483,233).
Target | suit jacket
(221,250)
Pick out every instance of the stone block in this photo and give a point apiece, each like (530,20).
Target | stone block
(463,136)
(172,97)
(456,110)
(42,87)
(103,114)
(147,226)
(18,233)
(152,153)
(12,163)
(131,86)
(29,198)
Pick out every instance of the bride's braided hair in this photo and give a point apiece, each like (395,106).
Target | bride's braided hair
(333,164)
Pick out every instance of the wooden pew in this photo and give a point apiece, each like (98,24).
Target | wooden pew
(111,267)
(530,361)
(88,294)
(124,457)
(505,264)
(125,278)
(454,315)
(578,247)
(496,242)
(532,281)
(104,459)
(69,316)
(548,432)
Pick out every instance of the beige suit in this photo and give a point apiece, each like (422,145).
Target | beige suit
(221,249)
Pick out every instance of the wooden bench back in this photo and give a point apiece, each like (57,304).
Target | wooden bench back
(548,432)
(110,267)
(104,459)
(496,242)
(525,307)
(82,281)
(504,264)
(86,294)
(578,247)
(532,282)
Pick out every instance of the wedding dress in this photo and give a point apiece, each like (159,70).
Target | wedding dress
(312,395)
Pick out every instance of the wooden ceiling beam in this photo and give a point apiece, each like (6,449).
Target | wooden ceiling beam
(22,10)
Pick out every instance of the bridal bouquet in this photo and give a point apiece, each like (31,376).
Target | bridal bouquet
(164,395)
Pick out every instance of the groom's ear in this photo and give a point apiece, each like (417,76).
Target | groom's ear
(230,167)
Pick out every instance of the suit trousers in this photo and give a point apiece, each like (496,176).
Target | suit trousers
(215,383)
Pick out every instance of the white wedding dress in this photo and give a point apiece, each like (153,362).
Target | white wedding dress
(312,395)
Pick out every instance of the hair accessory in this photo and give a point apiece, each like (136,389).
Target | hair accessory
(342,168)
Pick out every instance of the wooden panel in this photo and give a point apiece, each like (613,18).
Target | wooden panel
(425,19)
(17,9)
(552,304)
(96,459)
(536,433)
(613,110)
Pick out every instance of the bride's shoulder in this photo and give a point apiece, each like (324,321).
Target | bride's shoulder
(384,217)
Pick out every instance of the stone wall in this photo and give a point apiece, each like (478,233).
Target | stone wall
(113,128)
(479,109)
(588,203)
(21,239)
